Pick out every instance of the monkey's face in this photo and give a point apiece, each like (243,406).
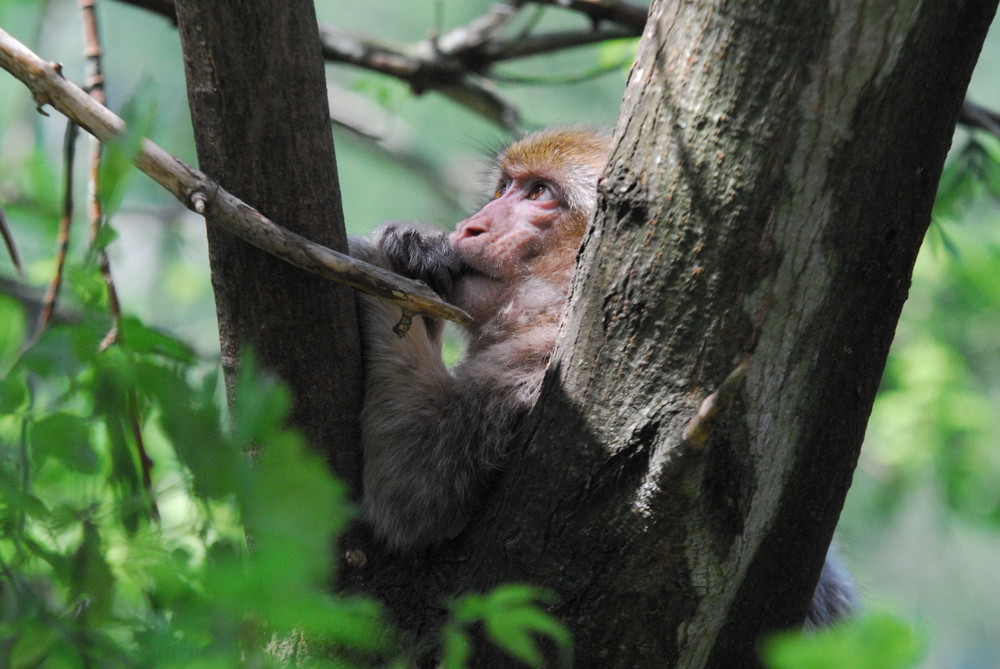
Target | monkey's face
(519,224)
(527,235)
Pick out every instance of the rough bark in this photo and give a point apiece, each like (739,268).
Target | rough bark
(279,157)
(776,168)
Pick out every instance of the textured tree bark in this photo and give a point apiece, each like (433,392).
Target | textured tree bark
(776,167)
(258,101)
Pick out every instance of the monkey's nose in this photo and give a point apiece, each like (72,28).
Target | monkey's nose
(468,228)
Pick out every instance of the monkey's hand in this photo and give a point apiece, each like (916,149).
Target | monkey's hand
(420,254)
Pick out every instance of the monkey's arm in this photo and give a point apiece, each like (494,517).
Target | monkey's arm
(419,253)
(431,438)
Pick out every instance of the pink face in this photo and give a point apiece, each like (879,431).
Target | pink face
(499,241)
(514,227)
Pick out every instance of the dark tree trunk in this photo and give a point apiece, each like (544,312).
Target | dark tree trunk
(776,168)
(258,101)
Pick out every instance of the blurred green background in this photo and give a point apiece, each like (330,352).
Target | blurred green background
(921,529)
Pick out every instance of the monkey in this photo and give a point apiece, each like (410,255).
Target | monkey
(433,438)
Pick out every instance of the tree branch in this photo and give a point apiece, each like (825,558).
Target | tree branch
(457,64)
(624,14)
(199,193)
(974,116)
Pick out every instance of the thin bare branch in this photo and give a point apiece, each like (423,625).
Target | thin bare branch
(624,14)
(93,52)
(974,116)
(545,43)
(391,136)
(199,193)
(164,8)
(8,241)
(32,300)
(65,223)
(423,68)
(456,64)
(481,30)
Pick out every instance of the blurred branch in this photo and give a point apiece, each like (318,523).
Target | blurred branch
(391,136)
(974,116)
(625,14)
(8,241)
(200,193)
(423,69)
(458,63)
(93,52)
(161,7)
(65,223)
(33,302)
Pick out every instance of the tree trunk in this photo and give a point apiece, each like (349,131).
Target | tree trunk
(776,167)
(258,102)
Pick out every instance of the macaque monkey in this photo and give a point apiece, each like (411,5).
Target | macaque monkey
(433,438)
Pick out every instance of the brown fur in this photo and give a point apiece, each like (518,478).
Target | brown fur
(432,437)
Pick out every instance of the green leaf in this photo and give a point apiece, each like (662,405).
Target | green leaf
(13,394)
(41,183)
(105,236)
(293,509)
(13,329)
(62,351)
(513,620)
(92,583)
(32,647)
(260,403)
(192,422)
(515,639)
(457,647)
(873,641)
(141,339)
(66,438)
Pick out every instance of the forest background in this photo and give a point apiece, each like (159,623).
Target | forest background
(921,528)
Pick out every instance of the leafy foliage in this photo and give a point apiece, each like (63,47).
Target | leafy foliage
(90,578)
(512,619)
(872,641)
(936,415)
(126,551)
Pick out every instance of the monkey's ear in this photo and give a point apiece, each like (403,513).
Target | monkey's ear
(421,254)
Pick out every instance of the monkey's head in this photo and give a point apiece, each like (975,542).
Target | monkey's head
(544,195)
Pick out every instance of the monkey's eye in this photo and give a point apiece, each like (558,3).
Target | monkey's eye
(540,190)
(501,188)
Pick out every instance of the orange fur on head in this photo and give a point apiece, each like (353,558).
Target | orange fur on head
(571,157)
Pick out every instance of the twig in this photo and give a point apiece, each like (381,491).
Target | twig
(65,223)
(715,406)
(201,194)
(95,86)
(424,67)
(539,45)
(164,8)
(8,241)
(32,300)
(454,64)
(93,51)
(390,135)
(625,14)
(974,116)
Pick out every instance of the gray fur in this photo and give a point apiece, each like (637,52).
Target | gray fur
(432,438)
(835,597)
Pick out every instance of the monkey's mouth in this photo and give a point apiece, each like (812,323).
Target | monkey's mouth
(471,271)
